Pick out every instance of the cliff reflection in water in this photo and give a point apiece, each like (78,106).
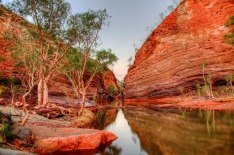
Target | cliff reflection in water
(104,118)
(168,132)
(192,133)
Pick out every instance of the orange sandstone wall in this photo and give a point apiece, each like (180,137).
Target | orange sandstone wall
(172,56)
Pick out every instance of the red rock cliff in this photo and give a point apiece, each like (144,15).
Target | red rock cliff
(172,56)
(14,24)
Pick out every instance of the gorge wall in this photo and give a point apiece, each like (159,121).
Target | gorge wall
(14,24)
(172,57)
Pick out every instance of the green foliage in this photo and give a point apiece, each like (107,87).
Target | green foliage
(48,15)
(111,90)
(203,90)
(1,11)
(199,89)
(2,90)
(83,28)
(230,21)
(229,38)
(92,66)
(106,57)
(19,64)
(181,90)
(10,81)
(130,62)
(2,58)
(34,34)
(24,22)
(222,90)
(206,89)
(73,58)
(230,79)
(5,132)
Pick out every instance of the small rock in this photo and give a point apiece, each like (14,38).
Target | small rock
(19,104)
(26,134)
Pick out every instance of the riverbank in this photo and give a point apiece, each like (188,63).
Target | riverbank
(41,135)
(190,102)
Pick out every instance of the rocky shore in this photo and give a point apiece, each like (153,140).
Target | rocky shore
(41,135)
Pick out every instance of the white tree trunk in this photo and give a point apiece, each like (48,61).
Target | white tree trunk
(43,98)
(82,103)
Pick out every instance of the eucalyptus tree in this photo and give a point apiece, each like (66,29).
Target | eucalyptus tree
(84,28)
(48,16)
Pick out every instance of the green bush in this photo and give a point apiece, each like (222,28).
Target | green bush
(230,79)
(2,90)
(199,89)
(229,38)
(2,58)
(230,21)
(111,90)
(9,81)
(24,23)
(1,11)
(222,90)
(5,132)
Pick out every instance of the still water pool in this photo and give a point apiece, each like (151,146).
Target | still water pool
(142,132)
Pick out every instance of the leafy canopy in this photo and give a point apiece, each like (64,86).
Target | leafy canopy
(49,15)
(84,28)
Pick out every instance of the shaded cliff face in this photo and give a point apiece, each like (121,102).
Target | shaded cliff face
(14,24)
(172,56)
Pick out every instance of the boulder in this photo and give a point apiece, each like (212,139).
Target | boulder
(83,142)
(26,135)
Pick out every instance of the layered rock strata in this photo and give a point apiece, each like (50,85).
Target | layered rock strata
(172,57)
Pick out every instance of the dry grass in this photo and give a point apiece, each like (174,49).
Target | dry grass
(86,119)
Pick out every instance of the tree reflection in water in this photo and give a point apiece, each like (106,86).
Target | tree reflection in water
(112,150)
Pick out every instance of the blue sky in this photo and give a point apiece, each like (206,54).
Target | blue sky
(130,19)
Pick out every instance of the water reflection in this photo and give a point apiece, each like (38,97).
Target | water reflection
(155,133)
(128,142)
(104,118)
(173,133)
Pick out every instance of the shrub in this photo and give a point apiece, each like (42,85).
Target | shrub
(9,81)
(24,23)
(111,90)
(229,38)
(5,132)
(2,58)
(230,21)
(199,89)
(222,90)
(181,90)
(230,79)
(2,90)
